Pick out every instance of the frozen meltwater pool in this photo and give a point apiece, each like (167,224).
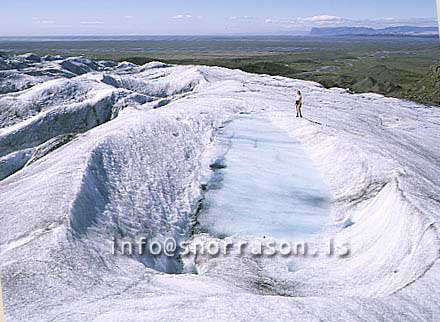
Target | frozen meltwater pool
(263,185)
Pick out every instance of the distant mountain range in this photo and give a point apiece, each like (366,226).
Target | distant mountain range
(364,31)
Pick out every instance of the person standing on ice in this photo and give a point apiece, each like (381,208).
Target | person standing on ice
(299,103)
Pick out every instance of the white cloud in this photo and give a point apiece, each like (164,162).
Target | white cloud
(55,26)
(322,20)
(91,22)
(43,21)
(244,18)
(182,17)
(50,24)
(128,17)
(334,21)
(302,25)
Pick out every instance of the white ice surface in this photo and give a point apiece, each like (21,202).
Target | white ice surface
(129,168)
(265,185)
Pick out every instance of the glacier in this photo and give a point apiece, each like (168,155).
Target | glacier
(264,185)
(93,150)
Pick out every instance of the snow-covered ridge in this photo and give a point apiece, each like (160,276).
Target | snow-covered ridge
(90,151)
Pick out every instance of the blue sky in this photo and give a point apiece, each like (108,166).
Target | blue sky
(110,17)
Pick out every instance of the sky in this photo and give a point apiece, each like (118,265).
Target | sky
(209,17)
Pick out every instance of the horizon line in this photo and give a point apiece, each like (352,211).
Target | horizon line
(299,33)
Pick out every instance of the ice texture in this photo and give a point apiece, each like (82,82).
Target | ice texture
(263,185)
(90,151)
